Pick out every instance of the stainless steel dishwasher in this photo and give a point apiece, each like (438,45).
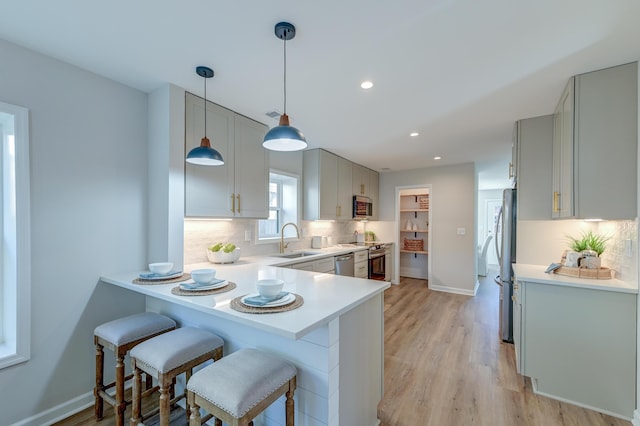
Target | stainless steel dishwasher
(345,265)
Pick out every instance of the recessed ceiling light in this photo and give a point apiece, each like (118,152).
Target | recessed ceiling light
(366,84)
(437,158)
(414,134)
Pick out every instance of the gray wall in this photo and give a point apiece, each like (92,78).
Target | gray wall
(453,205)
(88,198)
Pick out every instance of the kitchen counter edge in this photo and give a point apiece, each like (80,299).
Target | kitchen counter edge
(535,273)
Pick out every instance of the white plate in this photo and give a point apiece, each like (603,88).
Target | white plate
(202,287)
(280,302)
(148,275)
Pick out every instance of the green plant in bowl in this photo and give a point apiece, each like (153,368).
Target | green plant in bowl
(589,241)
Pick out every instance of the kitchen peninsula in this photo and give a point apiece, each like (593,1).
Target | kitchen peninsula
(335,338)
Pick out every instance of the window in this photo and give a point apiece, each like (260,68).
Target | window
(283,206)
(15,265)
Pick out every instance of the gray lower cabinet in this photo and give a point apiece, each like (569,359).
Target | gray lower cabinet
(595,145)
(237,189)
(388,262)
(578,344)
(361,264)
(325,265)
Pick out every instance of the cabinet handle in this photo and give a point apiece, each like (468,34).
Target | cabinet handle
(238,196)
(510,170)
(362,188)
(233,203)
(556,202)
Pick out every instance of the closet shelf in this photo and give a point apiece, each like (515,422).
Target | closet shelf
(414,230)
(414,210)
(413,251)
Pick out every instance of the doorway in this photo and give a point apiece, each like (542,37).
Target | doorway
(413,232)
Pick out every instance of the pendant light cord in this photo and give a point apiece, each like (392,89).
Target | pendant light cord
(205,107)
(285,75)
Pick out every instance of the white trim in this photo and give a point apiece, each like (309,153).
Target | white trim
(636,418)
(455,290)
(396,254)
(534,385)
(23,237)
(59,412)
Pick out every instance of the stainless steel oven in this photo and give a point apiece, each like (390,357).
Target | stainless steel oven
(377,262)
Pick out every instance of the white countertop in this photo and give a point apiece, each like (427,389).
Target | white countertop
(536,273)
(325,296)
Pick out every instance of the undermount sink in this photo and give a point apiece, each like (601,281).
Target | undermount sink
(295,255)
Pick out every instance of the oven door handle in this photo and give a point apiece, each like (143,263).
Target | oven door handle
(375,256)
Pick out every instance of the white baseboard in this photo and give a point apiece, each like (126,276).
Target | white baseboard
(636,418)
(59,412)
(455,290)
(534,384)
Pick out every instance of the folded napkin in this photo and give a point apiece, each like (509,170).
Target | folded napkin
(196,286)
(150,275)
(261,300)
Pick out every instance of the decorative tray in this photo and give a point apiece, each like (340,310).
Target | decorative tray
(598,274)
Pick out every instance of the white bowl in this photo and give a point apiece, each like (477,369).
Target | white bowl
(203,276)
(222,257)
(269,288)
(161,267)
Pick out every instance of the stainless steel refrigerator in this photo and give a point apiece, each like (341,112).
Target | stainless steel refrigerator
(506,250)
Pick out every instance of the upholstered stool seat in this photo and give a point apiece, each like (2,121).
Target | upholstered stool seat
(120,336)
(240,386)
(165,357)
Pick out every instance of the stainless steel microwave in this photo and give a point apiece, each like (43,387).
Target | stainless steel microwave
(362,207)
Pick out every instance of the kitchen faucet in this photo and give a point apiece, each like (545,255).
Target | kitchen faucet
(282,245)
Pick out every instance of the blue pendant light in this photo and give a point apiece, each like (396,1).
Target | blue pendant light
(204,155)
(284,137)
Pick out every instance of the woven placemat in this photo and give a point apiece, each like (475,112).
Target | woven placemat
(182,277)
(237,305)
(180,292)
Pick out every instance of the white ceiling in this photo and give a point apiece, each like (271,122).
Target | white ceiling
(460,72)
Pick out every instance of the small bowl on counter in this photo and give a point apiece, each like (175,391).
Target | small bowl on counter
(161,267)
(203,276)
(269,288)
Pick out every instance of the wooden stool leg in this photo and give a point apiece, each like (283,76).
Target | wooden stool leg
(136,396)
(188,374)
(165,398)
(98,406)
(121,404)
(148,380)
(194,418)
(289,407)
(218,422)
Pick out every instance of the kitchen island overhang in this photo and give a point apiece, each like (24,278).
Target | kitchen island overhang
(335,338)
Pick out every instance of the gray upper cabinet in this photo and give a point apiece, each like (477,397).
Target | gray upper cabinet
(239,188)
(327,186)
(365,182)
(533,147)
(595,146)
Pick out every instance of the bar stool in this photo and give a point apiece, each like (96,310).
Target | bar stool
(164,358)
(120,336)
(239,387)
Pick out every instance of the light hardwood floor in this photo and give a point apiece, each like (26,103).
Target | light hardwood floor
(445,365)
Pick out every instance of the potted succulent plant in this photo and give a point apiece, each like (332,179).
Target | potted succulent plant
(589,246)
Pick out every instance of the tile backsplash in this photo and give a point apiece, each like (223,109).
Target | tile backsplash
(200,234)
(542,242)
